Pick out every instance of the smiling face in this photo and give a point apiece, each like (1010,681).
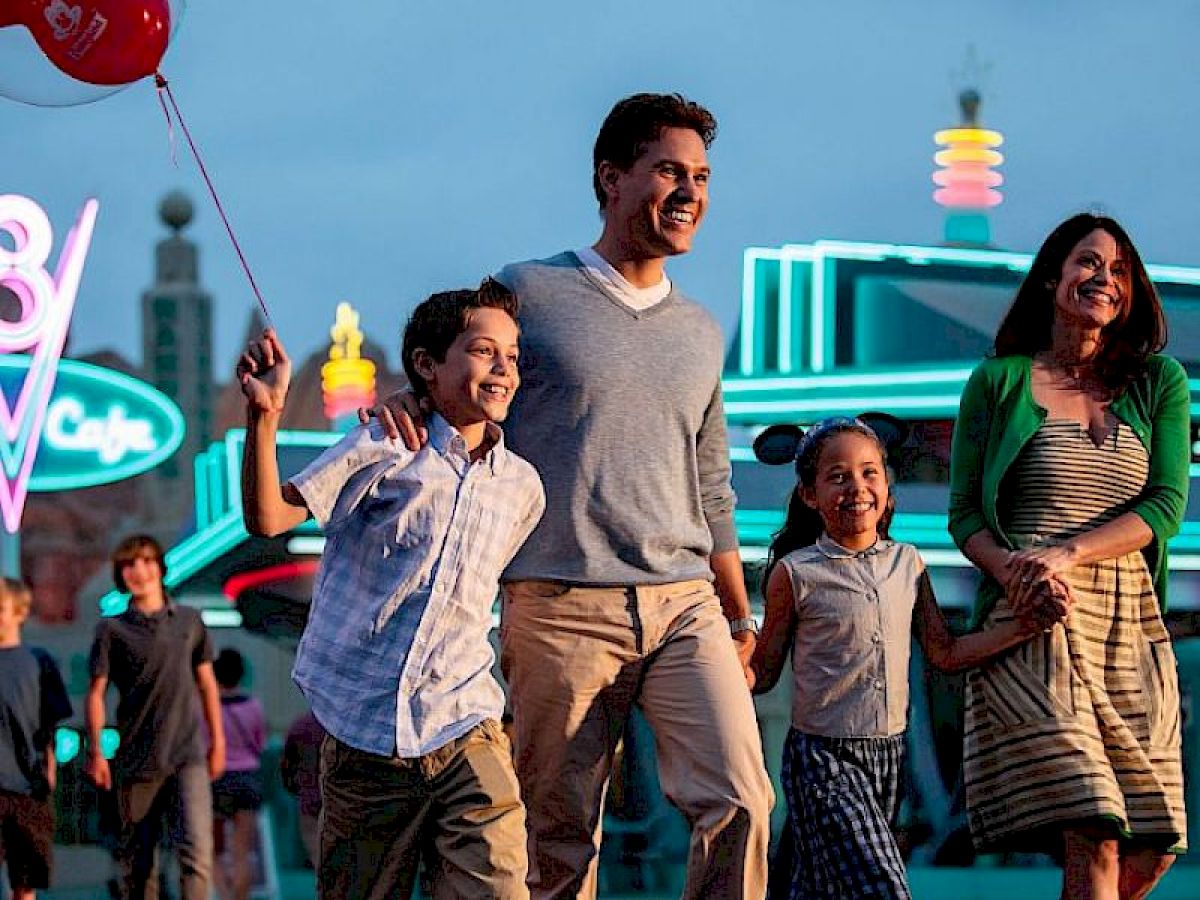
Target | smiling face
(476,381)
(654,207)
(1095,285)
(850,490)
(142,576)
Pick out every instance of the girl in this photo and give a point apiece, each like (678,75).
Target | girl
(848,599)
(238,794)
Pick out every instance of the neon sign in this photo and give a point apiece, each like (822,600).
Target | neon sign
(100,425)
(966,179)
(45,310)
(347,380)
(111,437)
(66,424)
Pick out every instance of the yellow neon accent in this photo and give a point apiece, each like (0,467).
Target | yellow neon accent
(969,136)
(347,338)
(960,154)
(342,373)
(346,368)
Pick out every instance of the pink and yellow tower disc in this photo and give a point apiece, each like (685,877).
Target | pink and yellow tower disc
(347,380)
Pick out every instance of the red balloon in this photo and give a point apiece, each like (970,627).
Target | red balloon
(106,42)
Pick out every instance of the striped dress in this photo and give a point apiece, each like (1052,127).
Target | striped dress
(1082,722)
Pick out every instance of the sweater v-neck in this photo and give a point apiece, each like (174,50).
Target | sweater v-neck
(616,301)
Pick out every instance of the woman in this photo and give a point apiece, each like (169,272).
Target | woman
(1070,468)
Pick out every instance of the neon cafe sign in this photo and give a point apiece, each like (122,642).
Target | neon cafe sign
(63,424)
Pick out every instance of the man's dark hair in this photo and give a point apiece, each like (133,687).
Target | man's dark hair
(134,547)
(436,322)
(229,668)
(638,121)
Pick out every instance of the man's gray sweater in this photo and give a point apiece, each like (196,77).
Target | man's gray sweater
(620,412)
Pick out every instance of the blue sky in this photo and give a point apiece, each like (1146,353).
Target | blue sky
(374,151)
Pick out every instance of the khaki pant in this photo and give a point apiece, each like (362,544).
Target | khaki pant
(457,808)
(577,659)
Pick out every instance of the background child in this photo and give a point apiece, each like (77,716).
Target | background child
(159,657)
(300,768)
(32,702)
(238,794)
(395,659)
(847,600)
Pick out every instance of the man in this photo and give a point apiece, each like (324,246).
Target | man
(611,602)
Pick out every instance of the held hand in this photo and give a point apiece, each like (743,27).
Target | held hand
(1039,563)
(744,643)
(402,416)
(97,771)
(1044,605)
(264,371)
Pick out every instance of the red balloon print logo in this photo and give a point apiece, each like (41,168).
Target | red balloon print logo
(101,42)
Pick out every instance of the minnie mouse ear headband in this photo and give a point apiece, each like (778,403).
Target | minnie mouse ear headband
(778,445)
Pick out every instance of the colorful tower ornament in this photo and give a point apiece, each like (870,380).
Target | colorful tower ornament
(347,380)
(967,179)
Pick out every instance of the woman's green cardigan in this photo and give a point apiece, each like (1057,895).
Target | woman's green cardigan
(997,416)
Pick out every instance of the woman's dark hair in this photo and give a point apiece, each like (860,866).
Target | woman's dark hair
(802,525)
(229,668)
(1139,329)
(638,121)
(136,546)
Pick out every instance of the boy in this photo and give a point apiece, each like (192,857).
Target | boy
(395,659)
(159,657)
(32,701)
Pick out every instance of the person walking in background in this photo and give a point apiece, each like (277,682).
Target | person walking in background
(846,602)
(158,656)
(1070,464)
(395,658)
(238,793)
(300,768)
(33,701)
(631,591)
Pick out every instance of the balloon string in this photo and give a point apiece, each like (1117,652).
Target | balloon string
(171,137)
(164,88)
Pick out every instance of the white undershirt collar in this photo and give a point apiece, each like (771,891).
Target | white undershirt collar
(637,298)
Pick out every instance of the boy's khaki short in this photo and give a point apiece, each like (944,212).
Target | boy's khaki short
(458,808)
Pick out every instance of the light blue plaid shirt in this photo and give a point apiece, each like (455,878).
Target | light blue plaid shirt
(395,658)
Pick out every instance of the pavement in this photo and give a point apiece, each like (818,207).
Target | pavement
(980,883)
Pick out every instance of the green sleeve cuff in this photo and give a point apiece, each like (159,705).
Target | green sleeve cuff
(964,524)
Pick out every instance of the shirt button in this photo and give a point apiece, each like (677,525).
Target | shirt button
(875,639)
(879,684)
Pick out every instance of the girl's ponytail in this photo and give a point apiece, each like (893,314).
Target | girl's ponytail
(801,528)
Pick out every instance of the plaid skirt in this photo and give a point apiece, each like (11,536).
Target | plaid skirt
(843,795)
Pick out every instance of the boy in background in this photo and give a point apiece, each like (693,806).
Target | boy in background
(32,702)
(159,657)
(395,660)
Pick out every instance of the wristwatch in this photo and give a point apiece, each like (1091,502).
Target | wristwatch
(737,626)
